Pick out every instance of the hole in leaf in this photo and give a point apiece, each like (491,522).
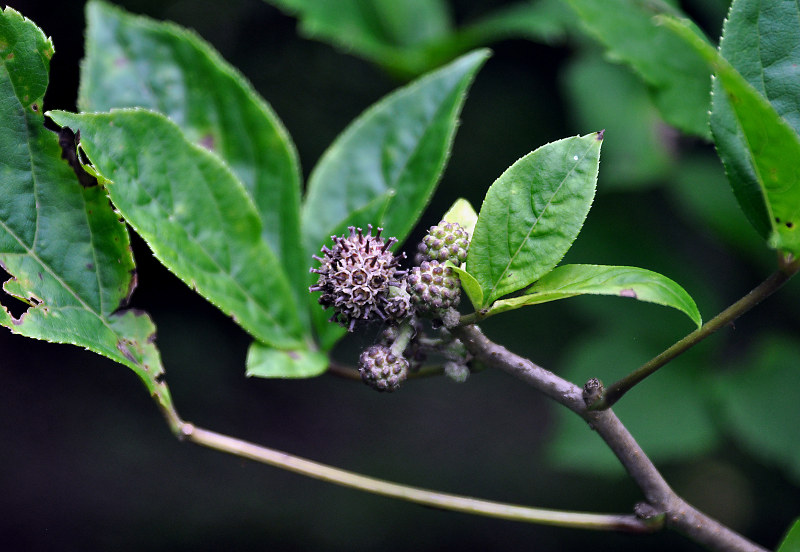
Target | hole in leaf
(16,307)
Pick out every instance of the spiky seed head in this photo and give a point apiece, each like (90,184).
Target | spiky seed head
(446,241)
(355,277)
(433,286)
(381,369)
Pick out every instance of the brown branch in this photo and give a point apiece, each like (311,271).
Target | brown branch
(679,515)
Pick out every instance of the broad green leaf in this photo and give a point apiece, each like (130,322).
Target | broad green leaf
(761,40)
(383,169)
(471,286)
(609,96)
(621,281)
(68,254)
(134,61)
(194,214)
(265,362)
(677,77)
(668,400)
(758,403)
(791,542)
(532,214)
(391,156)
(462,213)
(770,193)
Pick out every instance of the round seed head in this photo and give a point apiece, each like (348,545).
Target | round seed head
(446,241)
(381,369)
(355,277)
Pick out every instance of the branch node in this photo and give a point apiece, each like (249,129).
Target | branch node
(593,391)
(186,430)
(647,512)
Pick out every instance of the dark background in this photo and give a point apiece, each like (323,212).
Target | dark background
(88,463)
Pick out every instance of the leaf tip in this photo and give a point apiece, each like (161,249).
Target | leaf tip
(599,135)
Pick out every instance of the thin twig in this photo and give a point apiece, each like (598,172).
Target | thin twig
(578,520)
(616,390)
(679,515)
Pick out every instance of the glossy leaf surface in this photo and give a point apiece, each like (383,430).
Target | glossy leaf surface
(791,542)
(194,214)
(621,281)
(67,252)
(756,127)
(532,214)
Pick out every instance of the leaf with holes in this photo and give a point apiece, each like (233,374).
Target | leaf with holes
(133,61)
(621,281)
(67,252)
(194,214)
(532,214)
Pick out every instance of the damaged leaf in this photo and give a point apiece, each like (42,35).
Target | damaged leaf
(67,252)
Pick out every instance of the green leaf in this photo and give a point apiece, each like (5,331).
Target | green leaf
(134,61)
(760,41)
(532,214)
(770,193)
(462,213)
(667,400)
(383,169)
(758,403)
(391,157)
(194,214)
(678,78)
(266,362)
(470,285)
(791,542)
(68,254)
(622,281)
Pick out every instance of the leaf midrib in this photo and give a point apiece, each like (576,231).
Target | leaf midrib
(491,293)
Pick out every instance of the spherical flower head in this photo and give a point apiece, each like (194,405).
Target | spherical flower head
(433,286)
(355,277)
(446,241)
(381,369)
